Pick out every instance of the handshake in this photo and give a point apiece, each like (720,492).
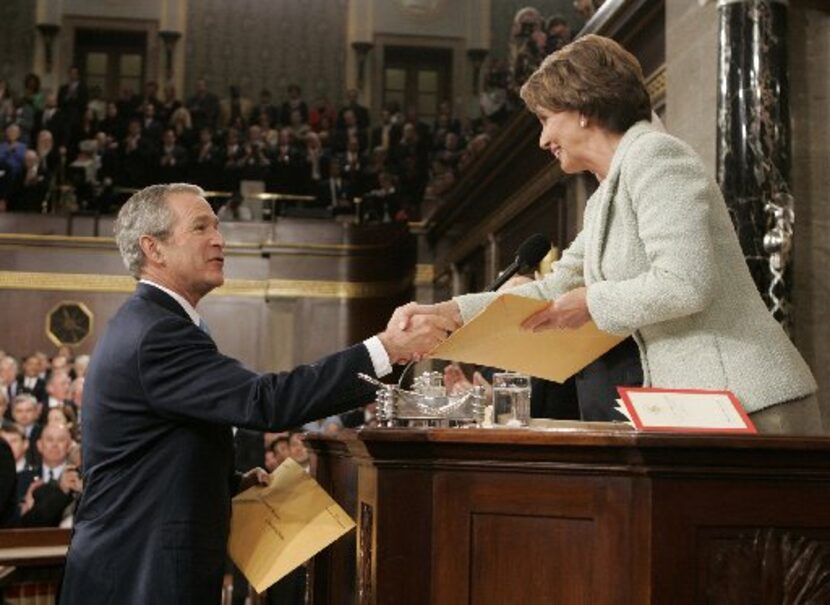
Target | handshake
(414,330)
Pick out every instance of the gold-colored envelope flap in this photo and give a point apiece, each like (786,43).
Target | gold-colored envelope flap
(494,338)
(276,529)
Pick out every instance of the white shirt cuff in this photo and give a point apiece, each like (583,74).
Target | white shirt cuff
(380,358)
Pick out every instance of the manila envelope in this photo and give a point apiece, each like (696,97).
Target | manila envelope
(494,338)
(276,529)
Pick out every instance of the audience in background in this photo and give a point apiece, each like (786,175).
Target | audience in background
(100,146)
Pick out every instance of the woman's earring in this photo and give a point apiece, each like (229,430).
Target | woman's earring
(583,122)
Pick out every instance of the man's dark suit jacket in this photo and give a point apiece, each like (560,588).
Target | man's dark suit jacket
(39,390)
(159,402)
(8,486)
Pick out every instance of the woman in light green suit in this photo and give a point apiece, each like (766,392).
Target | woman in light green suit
(657,259)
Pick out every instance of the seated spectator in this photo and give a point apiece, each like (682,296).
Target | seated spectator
(360,113)
(48,157)
(325,132)
(233,154)
(151,128)
(57,388)
(203,106)
(354,163)
(25,412)
(559,34)
(14,436)
(138,154)
(32,190)
(172,166)
(384,203)
(321,108)
(30,380)
(299,128)
(182,125)
(285,175)
(56,121)
(208,160)
(265,108)
(388,132)
(335,192)
(351,129)
(234,110)
(114,124)
(12,161)
(51,498)
(169,104)
(314,159)
(293,102)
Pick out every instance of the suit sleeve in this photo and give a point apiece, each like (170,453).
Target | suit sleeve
(185,376)
(671,196)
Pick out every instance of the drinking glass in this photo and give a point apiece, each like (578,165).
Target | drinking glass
(511,399)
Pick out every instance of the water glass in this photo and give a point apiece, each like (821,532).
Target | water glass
(511,399)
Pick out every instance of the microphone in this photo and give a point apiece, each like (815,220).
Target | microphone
(529,254)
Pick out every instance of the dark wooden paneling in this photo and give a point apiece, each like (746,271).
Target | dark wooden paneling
(525,558)
(598,517)
(302,301)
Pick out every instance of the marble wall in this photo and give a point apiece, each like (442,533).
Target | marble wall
(17,41)
(692,75)
(809,47)
(691,114)
(257,43)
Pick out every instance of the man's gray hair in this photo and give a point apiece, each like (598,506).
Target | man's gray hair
(24,398)
(146,213)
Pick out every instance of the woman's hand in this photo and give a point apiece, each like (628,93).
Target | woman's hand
(568,311)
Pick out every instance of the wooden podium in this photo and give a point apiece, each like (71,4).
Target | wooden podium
(575,516)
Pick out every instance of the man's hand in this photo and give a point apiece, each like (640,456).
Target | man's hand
(29,499)
(255,476)
(413,331)
(568,311)
(70,481)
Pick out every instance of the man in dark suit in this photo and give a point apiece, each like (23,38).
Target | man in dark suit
(30,381)
(160,400)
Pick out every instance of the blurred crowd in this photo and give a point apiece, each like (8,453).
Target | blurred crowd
(74,150)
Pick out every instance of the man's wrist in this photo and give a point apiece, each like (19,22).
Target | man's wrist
(380,352)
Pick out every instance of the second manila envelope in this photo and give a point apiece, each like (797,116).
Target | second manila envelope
(494,338)
(276,529)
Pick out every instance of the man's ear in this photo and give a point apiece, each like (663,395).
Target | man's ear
(150,248)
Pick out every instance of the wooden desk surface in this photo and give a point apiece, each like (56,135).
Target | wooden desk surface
(33,555)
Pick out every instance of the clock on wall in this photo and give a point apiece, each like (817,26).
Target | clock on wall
(68,323)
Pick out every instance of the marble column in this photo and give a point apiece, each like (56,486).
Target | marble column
(753,142)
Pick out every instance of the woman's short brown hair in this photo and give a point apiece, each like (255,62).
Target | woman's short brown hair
(594,76)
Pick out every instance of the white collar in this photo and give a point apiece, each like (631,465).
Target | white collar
(21,464)
(56,471)
(188,308)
